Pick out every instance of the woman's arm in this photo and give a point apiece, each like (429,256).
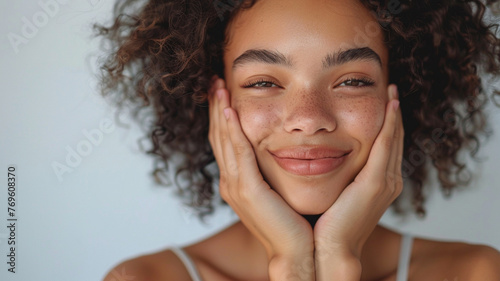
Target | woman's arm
(486,264)
(286,236)
(294,251)
(341,232)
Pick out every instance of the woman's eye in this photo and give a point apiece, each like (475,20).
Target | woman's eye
(357,83)
(260,84)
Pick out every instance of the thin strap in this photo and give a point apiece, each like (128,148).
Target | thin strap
(404,257)
(183,256)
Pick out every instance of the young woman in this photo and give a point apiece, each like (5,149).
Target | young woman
(298,102)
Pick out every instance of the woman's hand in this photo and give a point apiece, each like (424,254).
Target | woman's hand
(286,236)
(341,232)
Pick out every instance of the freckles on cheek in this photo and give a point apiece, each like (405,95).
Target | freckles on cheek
(367,115)
(375,119)
(256,119)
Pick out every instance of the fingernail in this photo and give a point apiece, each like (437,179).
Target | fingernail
(226,113)
(395,105)
(396,94)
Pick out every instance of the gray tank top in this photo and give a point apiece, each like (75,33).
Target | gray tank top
(402,274)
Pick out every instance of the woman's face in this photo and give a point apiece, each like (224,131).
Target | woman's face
(308,80)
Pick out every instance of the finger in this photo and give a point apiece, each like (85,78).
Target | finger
(228,155)
(378,159)
(399,156)
(244,154)
(213,118)
(215,83)
(393,174)
(394,180)
(213,79)
(218,84)
(214,124)
(401,143)
(393,154)
(398,143)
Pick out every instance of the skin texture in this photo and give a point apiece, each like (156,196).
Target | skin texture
(307,105)
(336,99)
(172,49)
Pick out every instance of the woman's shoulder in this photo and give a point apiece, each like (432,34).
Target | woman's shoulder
(163,265)
(166,265)
(430,260)
(454,261)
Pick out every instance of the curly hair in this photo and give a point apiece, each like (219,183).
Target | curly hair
(163,54)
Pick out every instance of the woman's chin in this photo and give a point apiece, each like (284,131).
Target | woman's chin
(311,196)
(310,199)
(311,205)
(310,210)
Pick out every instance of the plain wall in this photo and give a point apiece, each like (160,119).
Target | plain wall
(105,207)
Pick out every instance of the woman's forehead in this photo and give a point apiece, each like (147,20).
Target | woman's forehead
(304,30)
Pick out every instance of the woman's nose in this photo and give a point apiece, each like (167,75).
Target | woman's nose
(309,112)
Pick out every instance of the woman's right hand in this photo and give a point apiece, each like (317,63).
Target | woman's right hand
(286,235)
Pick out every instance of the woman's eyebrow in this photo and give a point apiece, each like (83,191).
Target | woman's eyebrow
(333,59)
(262,56)
(345,56)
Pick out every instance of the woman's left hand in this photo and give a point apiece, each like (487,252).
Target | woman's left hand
(341,232)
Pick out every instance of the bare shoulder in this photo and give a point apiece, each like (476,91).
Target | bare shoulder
(454,261)
(480,262)
(163,265)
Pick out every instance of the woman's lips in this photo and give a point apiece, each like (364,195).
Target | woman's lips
(309,162)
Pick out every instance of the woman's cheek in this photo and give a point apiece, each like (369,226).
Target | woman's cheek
(256,118)
(367,116)
(375,118)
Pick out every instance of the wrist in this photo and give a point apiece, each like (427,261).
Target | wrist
(293,268)
(338,266)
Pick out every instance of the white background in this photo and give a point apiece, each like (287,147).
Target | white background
(107,208)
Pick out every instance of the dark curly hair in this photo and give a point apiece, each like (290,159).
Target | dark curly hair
(163,53)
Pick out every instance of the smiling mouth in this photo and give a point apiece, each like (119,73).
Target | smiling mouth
(310,162)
